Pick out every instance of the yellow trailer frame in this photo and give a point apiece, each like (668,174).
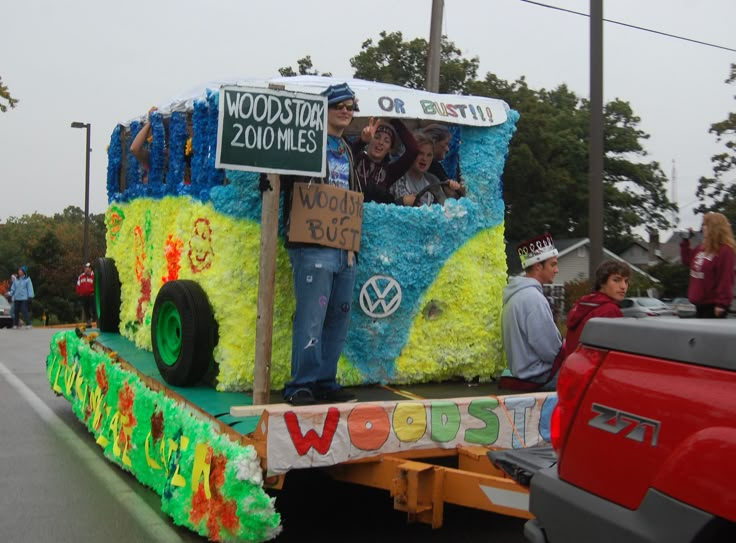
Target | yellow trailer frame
(421,481)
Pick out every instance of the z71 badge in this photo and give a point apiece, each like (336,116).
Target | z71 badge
(620,422)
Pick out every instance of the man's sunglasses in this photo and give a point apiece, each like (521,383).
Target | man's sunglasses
(349,107)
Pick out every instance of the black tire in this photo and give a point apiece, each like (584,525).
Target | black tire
(107,295)
(183,333)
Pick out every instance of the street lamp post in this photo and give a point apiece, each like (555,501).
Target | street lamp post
(87,126)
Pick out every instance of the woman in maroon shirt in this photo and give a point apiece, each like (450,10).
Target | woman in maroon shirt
(711,267)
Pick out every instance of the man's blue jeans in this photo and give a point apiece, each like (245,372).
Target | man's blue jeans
(323,288)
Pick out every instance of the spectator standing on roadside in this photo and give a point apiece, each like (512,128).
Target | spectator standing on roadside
(711,267)
(22,293)
(86,292)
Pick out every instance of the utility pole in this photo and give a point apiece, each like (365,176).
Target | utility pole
(595,180)
(88,128)
(435,41)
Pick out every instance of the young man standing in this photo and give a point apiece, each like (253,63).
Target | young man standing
(86,292)
(324,277)
(530,337)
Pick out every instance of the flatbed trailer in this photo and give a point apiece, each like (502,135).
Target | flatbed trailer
(218,462)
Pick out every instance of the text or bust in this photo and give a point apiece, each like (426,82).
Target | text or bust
(438,109)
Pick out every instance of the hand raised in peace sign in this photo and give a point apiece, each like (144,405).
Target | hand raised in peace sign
(370,130)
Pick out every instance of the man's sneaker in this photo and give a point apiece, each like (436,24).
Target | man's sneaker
(339,395)
(302,396)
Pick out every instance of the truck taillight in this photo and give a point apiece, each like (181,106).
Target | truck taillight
(575,376)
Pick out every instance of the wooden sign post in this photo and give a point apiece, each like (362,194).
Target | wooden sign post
(266,282)
(275,132)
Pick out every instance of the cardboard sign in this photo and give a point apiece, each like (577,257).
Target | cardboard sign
(272,131)
(326,215)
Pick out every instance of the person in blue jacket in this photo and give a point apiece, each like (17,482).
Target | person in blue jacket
(22,293)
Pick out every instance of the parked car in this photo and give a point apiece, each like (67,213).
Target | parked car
(6,321)
(645,307)
(683,307)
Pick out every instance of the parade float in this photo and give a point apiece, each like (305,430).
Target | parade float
(167,384)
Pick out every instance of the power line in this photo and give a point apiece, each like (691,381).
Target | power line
(634,26)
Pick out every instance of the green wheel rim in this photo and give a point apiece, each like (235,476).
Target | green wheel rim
(168,333)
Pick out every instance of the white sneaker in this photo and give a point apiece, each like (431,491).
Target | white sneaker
(28,326)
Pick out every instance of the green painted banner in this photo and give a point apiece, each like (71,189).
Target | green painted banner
(272,131)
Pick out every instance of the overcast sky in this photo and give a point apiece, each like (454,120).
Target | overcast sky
(104,62)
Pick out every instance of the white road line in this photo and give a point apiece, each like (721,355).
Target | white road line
(159,529)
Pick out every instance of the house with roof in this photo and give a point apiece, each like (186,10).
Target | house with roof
(640,253)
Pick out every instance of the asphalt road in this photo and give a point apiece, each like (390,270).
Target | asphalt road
(55,484)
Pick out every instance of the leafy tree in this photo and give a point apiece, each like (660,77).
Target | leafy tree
(548,158)
(635,192)
(640,285)
(718,193)
(49,282)
(5,95)
(392,60)
(675,278)
(304,67)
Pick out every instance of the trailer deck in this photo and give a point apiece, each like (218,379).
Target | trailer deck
(426,444)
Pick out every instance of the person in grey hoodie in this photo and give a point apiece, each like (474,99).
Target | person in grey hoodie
(531,339)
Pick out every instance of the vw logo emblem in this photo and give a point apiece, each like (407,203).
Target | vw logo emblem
(380,296)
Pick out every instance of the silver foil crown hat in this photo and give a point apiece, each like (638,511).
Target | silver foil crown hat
(536,250)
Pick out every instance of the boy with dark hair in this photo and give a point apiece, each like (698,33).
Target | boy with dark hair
(611,284)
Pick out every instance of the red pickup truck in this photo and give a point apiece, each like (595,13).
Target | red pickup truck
(644,433)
